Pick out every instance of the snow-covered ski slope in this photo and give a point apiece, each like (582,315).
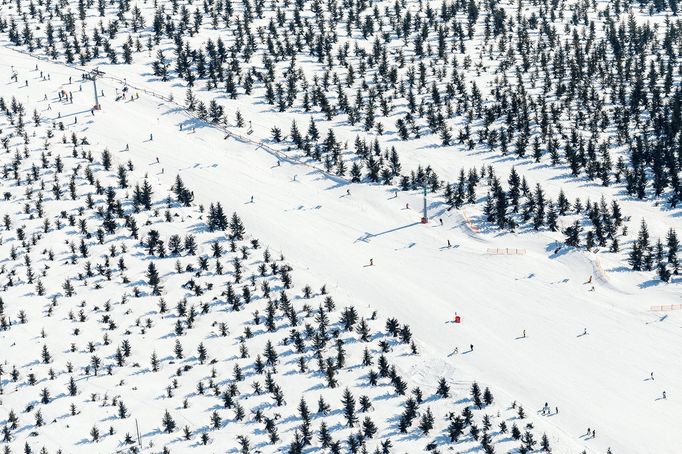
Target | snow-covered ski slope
(599,380)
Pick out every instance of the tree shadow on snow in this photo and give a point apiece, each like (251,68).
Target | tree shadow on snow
(650,283)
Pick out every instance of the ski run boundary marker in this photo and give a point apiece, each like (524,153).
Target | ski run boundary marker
(666,307)
(506,251)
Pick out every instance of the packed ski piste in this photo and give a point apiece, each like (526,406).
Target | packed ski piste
(238,226)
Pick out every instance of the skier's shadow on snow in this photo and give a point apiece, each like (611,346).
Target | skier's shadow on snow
(662,318)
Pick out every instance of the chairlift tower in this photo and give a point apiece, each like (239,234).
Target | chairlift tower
(93,75)
(425,217)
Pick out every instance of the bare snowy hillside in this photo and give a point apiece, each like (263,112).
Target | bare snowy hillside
(220,247)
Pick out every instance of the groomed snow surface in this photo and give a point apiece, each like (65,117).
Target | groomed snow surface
(328,231)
